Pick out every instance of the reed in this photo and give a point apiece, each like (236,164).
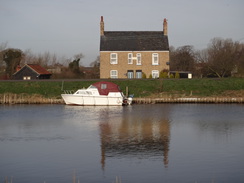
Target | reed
(188,100)
(10,98)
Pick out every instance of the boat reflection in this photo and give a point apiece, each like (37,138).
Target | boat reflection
(141,134)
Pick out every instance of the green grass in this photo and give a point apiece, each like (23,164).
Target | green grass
(140,88)
(204,87)
(45,88)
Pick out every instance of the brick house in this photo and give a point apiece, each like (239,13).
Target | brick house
(31,72)
(130,54)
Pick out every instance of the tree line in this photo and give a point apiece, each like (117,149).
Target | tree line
(71,68)
(221,58)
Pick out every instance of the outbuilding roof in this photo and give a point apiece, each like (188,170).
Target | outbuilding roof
(134,41)
(38,69)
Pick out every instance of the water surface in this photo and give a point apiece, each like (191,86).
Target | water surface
(138,143)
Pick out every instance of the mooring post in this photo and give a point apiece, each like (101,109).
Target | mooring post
(62,87)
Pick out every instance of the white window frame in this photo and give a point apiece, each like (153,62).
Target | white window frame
(113,58)
(130,74)
(113,74)
(130,58)
(138,60)
(155,59)
(138,76)
(155,74)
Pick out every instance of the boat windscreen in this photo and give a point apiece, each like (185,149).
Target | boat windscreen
(92,87)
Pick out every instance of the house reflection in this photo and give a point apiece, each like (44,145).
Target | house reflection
(141,135)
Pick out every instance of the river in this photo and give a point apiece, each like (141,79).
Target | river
(164,143)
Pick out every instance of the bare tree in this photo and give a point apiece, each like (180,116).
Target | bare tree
(54,59)
(95,68)
(223,56)
(3,46)
(78,56)
(240,60)
(46,59)
(28,57)
(182,59)
(201,68)
(201,56)
(43,59)
(95,63)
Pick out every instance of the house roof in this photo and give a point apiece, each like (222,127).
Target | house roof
(38,69)
(134,41)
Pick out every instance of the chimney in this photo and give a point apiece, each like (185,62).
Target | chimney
(165,27)
(101,27)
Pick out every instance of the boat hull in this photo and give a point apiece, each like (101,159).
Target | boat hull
(71,99)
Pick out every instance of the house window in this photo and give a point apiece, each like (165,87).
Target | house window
(155,59)
(138,74)
(130,74)
(155,74)
(113,58)
(130,60)
(138,55)
(113,74)
(26,78)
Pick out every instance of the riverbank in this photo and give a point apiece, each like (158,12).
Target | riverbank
(189,100)
(9,98)
(226,90)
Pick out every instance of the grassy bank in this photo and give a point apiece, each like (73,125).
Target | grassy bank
(233,87)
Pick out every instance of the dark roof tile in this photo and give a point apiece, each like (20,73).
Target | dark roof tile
(134,41)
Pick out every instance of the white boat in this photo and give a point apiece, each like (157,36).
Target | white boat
(100,93)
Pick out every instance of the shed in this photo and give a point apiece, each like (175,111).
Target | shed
(31,72)
(182,74)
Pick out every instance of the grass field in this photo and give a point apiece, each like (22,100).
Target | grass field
(140,88)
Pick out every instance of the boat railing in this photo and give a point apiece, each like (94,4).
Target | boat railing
(68,91)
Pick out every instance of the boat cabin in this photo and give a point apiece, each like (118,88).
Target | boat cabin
(104,87)
(100,88)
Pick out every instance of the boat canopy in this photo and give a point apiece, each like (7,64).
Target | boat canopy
(104,87)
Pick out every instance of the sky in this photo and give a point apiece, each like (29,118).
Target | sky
(70,27)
